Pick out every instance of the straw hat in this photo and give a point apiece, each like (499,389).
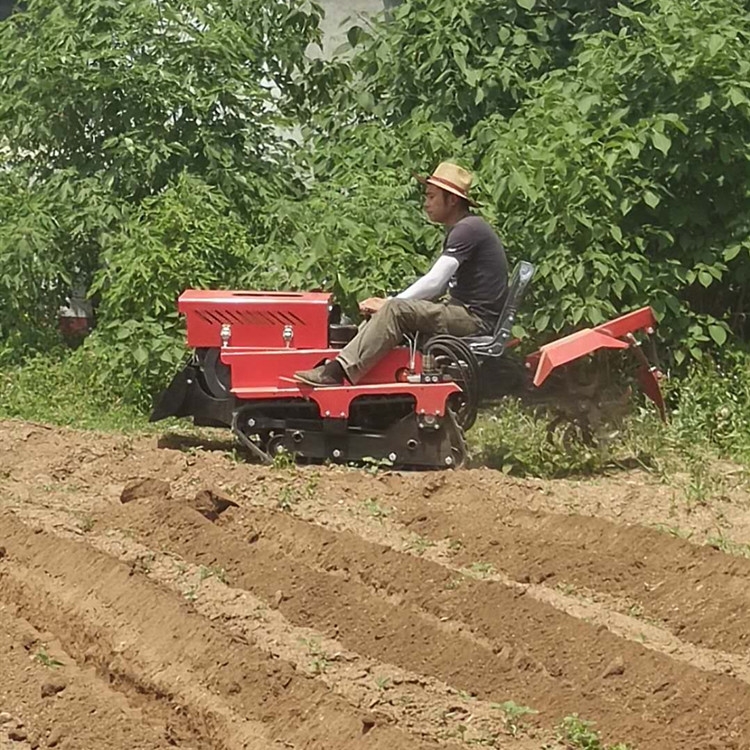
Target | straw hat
(452,178)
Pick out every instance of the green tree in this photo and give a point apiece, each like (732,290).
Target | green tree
(104,103)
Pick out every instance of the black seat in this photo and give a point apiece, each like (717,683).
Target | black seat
(494,345)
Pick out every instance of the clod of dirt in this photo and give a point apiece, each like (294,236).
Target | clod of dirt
(3,552)
(53,687)
(210,504)
(369,720)
(278,598)
(137,489)
(615,667)
(17,735)
(54,737)
(5,717)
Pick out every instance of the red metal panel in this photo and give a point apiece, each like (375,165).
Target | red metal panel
(257,319)
(252,368)
(572,347)
(579,344)
(335,402)
(628,323)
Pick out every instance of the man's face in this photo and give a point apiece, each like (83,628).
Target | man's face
(436,204)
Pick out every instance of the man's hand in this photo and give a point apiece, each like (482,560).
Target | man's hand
(372,305)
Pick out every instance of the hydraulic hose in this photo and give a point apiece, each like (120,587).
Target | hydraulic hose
(464,360)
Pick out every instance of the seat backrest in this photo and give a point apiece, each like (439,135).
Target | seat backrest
(519,282)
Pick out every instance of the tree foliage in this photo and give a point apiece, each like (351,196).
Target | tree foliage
(105,104)
(145,149)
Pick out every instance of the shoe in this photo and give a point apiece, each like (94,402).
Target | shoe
(319,377)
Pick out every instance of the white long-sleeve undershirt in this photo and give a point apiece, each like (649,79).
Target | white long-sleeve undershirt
(434,282)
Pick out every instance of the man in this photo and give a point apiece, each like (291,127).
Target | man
(472,267)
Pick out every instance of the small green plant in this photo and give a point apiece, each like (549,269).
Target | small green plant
(44,658)
(383,683)
(283,460)
(212,572)
(636,611)
(419,545)
(286,498)
(320,660)
(482,569)
(192,593)
(455,545)
(374,465)
(375,510)
(724,544)
(85,523)
(580,735)
(513,713)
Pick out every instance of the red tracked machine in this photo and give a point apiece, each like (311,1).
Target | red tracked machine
(411,409)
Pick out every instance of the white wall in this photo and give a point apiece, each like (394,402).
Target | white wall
(337,12)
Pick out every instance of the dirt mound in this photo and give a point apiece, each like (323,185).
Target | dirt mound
(187,599)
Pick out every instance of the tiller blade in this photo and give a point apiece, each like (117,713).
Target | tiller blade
(615,334)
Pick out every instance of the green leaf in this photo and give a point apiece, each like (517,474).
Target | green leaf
(526,4)
(718,334)
(616,233)
(651,198)
(661,142)
(715,43)
(705,278)
(703,101)
(732,252)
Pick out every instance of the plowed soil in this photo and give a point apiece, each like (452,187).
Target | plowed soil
(160,593)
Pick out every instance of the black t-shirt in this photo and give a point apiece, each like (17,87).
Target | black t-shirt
(481,280)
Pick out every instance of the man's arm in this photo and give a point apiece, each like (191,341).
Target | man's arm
(434,282)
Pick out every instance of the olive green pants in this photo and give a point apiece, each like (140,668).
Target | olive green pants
(398,317)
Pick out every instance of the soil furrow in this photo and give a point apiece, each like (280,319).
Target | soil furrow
(374,601)
(48,700)
(698,593)
(148,641)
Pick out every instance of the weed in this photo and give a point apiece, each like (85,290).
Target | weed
(283,461)
(375,510)
(482,569)
(286,498)
(580,735)
(674,531)
(374,465)
(234,456)
(635,610)
(212,572)
(85,523)
(44,658)
(513,714)
(568,589)
(455,545)
(192,593)
(320,660)
(383,683)
(419,545)
(726,545)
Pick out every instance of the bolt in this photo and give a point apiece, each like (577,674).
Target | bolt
(328,413)
(251,422)
(436,426)
(336,453)
(189,381)
(392,456)
(449,460)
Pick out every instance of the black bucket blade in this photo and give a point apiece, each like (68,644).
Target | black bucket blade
(172,401)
